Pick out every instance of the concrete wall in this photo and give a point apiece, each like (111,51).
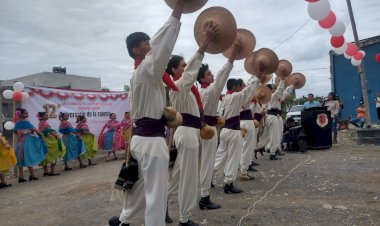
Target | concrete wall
(346,81)
(55,80)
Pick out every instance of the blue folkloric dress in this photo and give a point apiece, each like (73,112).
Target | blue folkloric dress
(75,147)
(31,148)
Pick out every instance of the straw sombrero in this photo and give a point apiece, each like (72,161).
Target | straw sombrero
(226,29)
(298,80)
(284,69)
(190,5)
(248,43)
(263,94)
(263,61)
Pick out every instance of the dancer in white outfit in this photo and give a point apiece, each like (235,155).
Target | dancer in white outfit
(288,91)
(210,94)
(184,176)
(149,194)
(231,140)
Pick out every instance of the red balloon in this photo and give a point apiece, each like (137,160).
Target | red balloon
(359,56)
(337,41)
(329,21)
(17,96)
(312,0)
(378,57)
(352,49)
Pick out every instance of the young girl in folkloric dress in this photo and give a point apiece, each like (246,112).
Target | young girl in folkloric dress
(56,149)
(88,139)
(7,160)
(31,148)
(75,147)
(112,138)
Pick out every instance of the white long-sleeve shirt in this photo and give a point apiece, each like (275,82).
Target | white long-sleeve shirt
(232,103)
(184,101)
(288,91)
(275,102)
(210,95)
(147,90)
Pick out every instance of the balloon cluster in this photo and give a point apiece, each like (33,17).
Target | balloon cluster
(18,95)
(320,10)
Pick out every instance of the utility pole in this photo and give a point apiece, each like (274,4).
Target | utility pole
(361,66)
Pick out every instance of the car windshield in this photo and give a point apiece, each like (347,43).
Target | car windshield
(296,108)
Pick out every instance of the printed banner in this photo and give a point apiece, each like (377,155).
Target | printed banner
(96,106)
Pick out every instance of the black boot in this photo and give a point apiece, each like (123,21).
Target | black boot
(251,168)
(253,163)
(168,219)
(274,157)
(278,152)
(206,203)
(114,221)
(188,223)
(230,188)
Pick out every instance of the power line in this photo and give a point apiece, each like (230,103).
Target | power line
(288,38)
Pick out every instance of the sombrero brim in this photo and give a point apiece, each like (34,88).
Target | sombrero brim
(190,6)
(266,79)
(226,25)
(263,94)
(298,80)
(248,43)
(264,57)
(284,69)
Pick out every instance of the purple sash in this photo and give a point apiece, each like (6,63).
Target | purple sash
(191,121)
(257,117)
(233,123)
(148,127)
(210,120)
(246,115)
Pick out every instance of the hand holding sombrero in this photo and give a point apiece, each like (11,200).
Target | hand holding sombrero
(226,29)
(298,80)
(190,5)
(284,69)
(263,94)
(247,44)
(261,62)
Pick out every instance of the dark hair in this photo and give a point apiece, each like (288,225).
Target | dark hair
(270,86)
(19,112)
(173,62)
(240,81)
(80,118)
(133,41)
(291,119)
(231,83)
(60,116)
(202,72)
(40,115)
(310,94)
(333,95)
(112,114)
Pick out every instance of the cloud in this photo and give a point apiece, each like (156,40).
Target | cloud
(88,36)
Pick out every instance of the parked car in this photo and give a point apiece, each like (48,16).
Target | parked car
(295,113)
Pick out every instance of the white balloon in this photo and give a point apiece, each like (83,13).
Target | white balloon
(8,94)
(319,10)
(25,95)
(338,28)
(341,49)
(18,86)
(9,125)
(347,56)
(355,62)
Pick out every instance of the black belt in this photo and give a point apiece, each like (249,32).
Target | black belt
(191,121)
(233,123)
(257,117)
(246,115)
(274,112)
(210,120)
(149,127)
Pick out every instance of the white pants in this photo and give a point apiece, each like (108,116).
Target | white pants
(207,163)
(249,143)
(280,130)
(184,176)
(254,137)
(272,124)
(228,154)
(149,194)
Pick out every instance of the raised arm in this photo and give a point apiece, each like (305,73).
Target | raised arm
(248,92)
(280,89)
(288,91)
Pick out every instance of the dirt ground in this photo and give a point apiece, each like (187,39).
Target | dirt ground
(340,186)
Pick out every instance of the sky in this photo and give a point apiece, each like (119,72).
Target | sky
(88,36)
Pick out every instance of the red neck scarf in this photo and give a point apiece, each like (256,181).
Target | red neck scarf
(195,91)
(204,85)
(165,78)
(230,92)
